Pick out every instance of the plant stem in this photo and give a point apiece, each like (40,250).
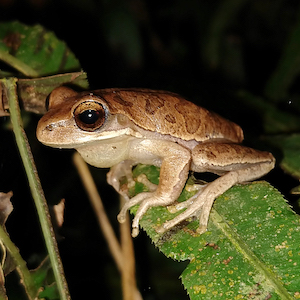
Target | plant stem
(35,186)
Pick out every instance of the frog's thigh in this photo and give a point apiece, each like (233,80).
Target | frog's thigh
(220,158)
(222,184)
(202,205)
(243,164)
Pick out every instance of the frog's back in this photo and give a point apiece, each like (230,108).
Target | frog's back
(168,113)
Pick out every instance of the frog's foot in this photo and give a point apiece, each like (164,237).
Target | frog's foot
(146,201)
(201,206)
(195,208)
(131,202)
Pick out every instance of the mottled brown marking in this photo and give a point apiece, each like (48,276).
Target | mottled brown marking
(170,119)
(122,101)
(211,155)
(233,153)
(192,123)
(153,104)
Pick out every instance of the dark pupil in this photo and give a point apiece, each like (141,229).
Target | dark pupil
(89,116)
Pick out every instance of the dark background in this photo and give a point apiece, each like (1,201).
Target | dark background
(153,44)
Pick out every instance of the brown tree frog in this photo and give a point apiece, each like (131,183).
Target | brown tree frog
(120,128)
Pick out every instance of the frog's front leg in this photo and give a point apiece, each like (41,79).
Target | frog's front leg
(174,161)
(122,169)
(239,164)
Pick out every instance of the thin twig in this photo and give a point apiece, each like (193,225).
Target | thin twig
(98,207)
(123,256)
(130,290)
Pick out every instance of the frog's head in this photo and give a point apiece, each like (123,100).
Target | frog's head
(76,119)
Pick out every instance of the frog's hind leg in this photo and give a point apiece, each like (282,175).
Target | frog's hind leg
(202,205)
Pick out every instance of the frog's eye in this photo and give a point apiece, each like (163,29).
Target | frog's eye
(89,115)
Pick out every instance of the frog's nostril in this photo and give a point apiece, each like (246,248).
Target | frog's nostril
(50,127)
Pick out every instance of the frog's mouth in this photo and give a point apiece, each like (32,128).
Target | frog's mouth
(68,137)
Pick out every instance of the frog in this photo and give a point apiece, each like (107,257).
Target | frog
(119,128)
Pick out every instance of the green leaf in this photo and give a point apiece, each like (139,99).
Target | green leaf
(34,51)
(44,280)
(251,248)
